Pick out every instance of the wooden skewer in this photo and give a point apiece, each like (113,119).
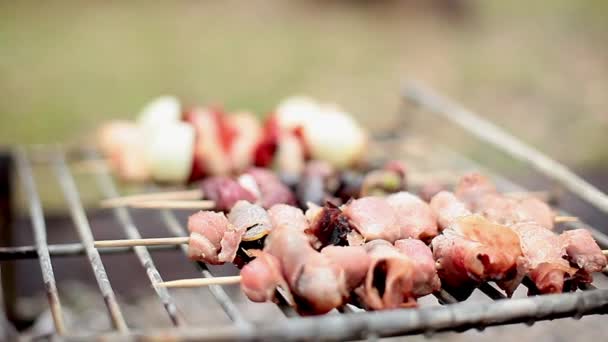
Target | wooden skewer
(605,251)
(142,242)
(560,219)
(169,204)
(157,196)
(197,282)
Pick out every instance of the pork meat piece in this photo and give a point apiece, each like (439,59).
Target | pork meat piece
(461,262)
(545,254)
(317,284)
(425,279)
(354,260)
(448,209)
(261,277)
(373,218)
(415,217)
(472,188)
(225,192)
(389,280)
(213,239)
(271,189)
(283,215)
(583,251)
(511,210)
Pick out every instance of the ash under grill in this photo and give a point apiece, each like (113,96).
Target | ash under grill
(351,322)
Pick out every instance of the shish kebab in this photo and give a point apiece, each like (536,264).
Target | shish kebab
(171,145)
(490,267)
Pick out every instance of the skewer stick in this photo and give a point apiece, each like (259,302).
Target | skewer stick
(169,204)
(142,242)
(560,219)
(169,195)
(197,282)
(605,251)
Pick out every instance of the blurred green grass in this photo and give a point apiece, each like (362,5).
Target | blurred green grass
(538,68)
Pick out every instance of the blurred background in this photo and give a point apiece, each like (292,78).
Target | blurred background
(539,69)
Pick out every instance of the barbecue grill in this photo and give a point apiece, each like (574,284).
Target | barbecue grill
(350,322)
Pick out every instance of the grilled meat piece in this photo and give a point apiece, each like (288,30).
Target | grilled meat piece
(213,239)
(225,192)
(328,226)
(481,196)
(261,277)
(545,254)
(583,251)
(414,217)
(374,218)
(389,281)
(448,209)
(425,279)
(317,284)
(354,260)
(272,191)
(283,215)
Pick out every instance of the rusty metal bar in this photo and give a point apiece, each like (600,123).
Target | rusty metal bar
(67,250)
(83,229)
(107,187)
(37,217)
(459,316)
(504,141)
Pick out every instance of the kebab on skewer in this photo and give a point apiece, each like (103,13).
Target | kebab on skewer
(475,234)
(552,259)
(171,145)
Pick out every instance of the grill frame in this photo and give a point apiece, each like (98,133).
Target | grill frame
(352,324)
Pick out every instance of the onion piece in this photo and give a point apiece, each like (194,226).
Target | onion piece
(169,152)
(294,111)
(336,138)
(159,112)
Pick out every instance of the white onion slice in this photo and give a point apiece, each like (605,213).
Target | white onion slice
(296,110)
(159,112)
(169,152)
(335,137)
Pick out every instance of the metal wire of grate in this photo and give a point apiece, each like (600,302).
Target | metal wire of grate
(352,323)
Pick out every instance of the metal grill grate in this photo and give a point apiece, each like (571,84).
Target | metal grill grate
(352,323)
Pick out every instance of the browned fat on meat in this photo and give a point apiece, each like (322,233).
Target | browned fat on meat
(374,218)
(389,280)
(414,217)
(225,192)
(425,279)
(583,251)
(317,284)
(545,254)
(354,260)
(272,190)
(261,277)
(213,239)
(328,226)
